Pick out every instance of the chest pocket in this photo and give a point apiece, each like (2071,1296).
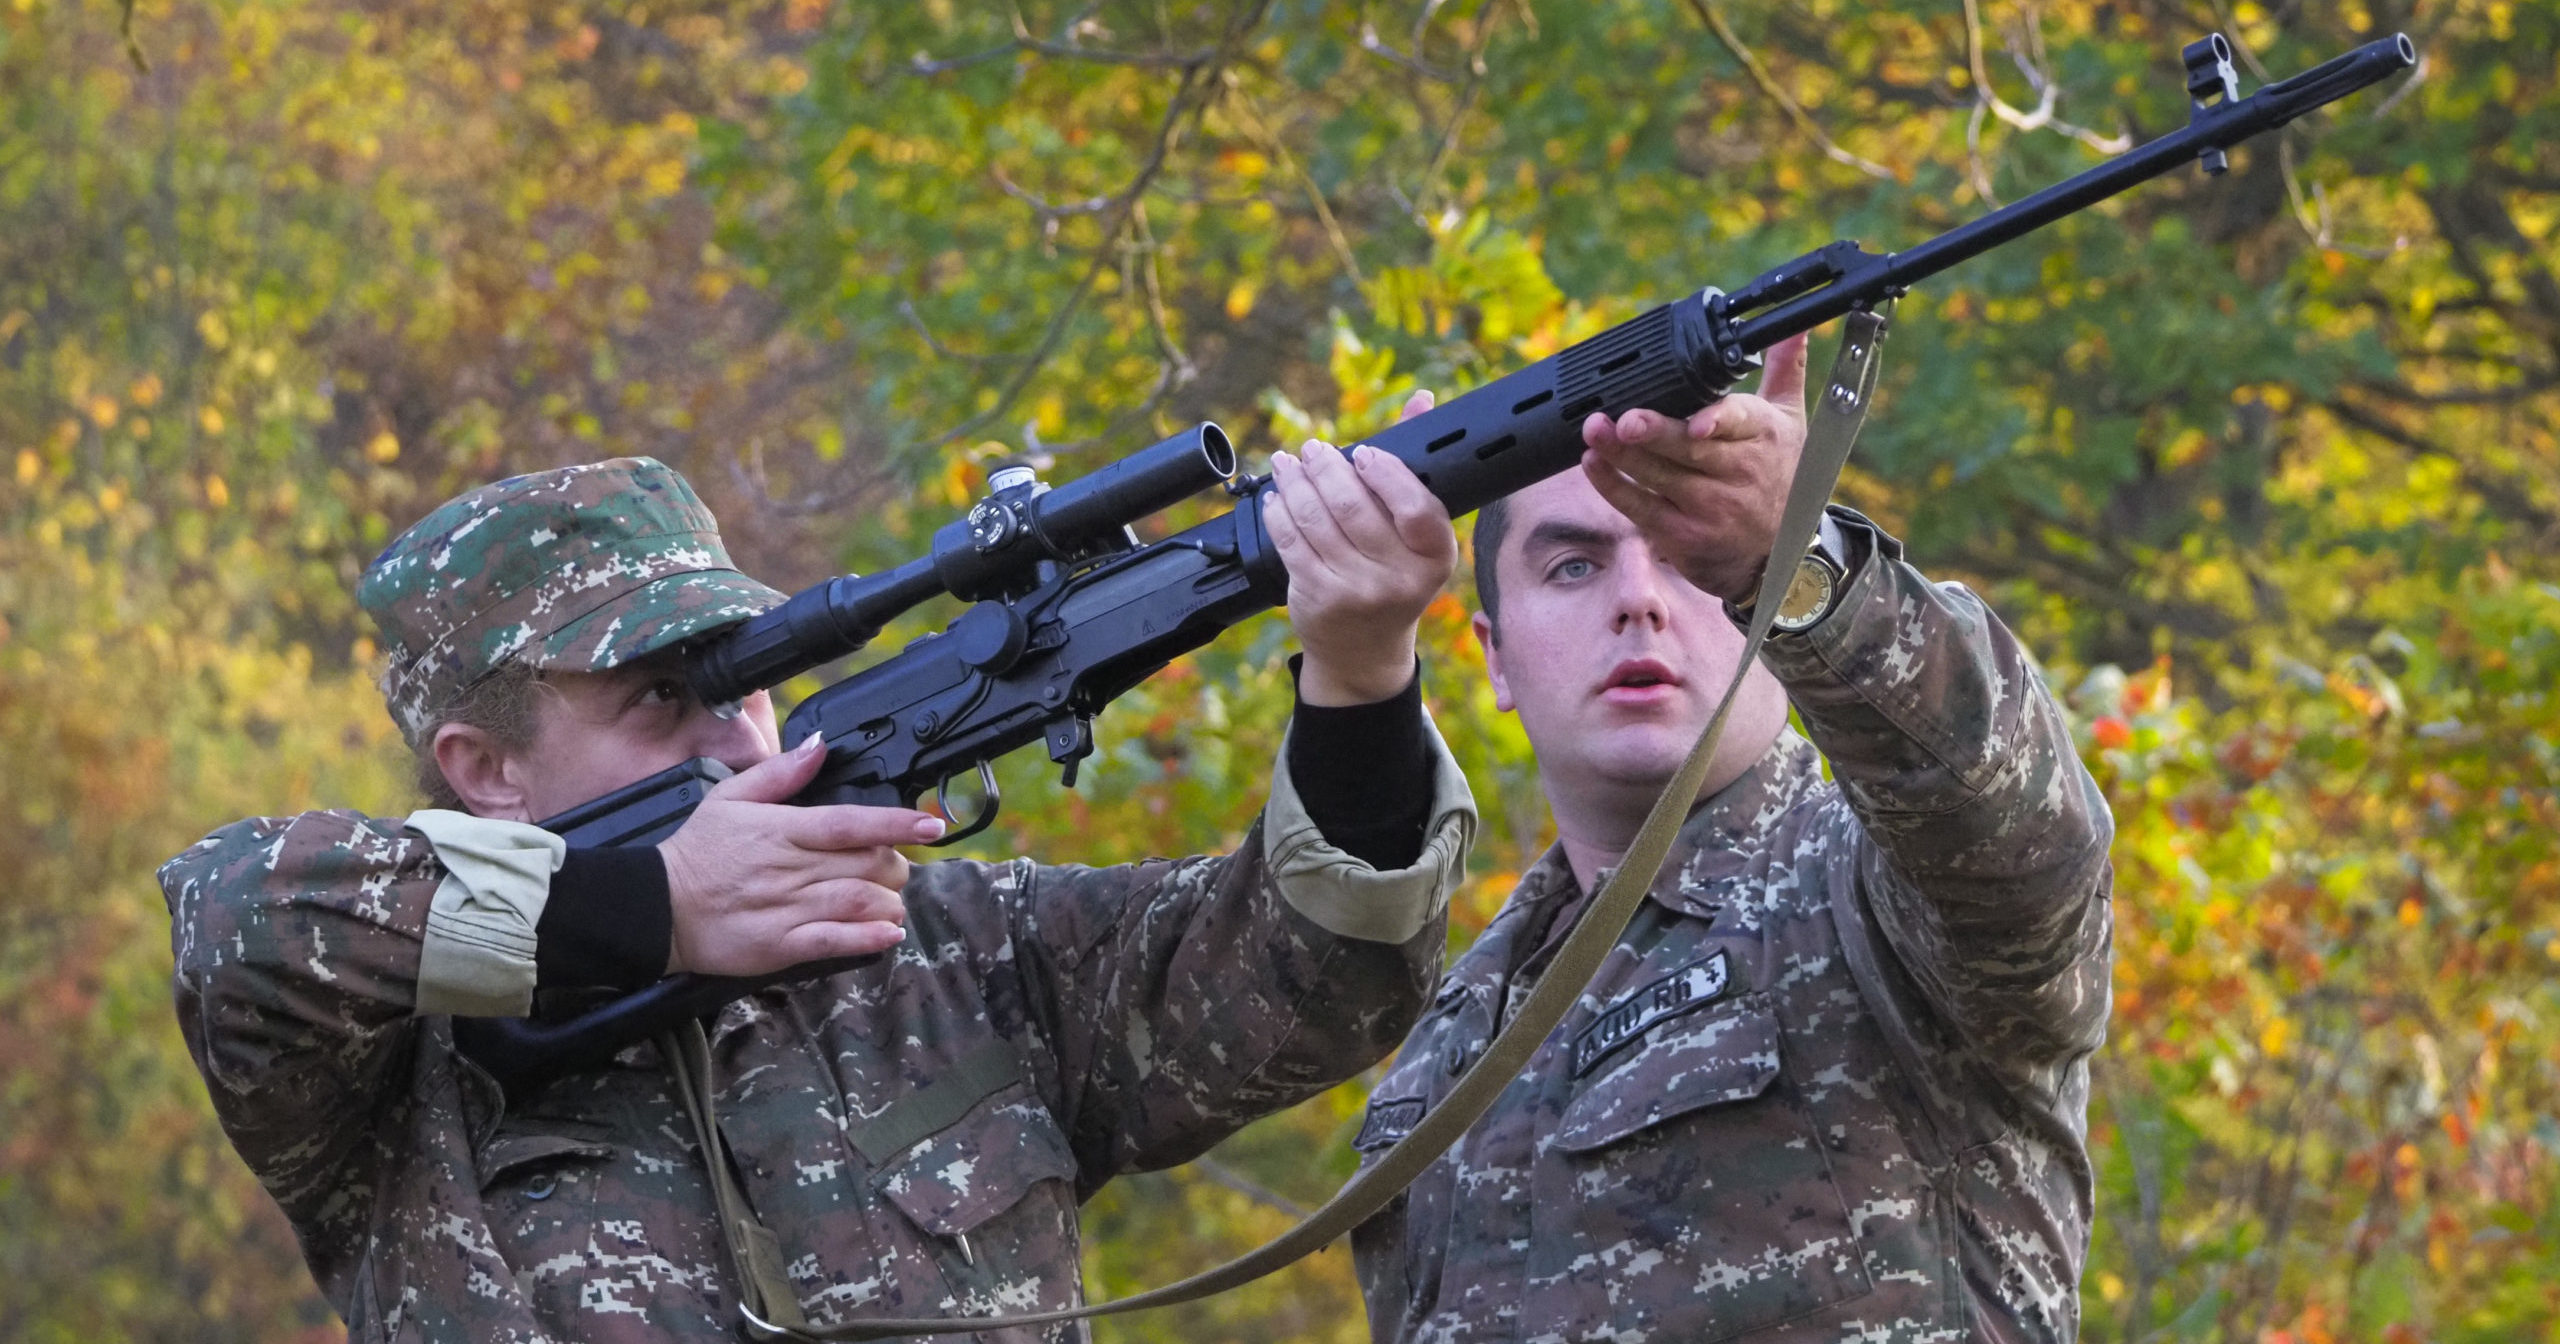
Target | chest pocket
(978,1163)
(538,1191)
(1684,1192)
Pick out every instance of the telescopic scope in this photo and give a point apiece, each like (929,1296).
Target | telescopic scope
(995,551)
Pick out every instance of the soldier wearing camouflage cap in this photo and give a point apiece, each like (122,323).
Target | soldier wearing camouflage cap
(620,560)
(1832,1083)
(916,1133)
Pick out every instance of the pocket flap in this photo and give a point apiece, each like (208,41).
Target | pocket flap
(957,1177)
(1727,1053)
(511,1153)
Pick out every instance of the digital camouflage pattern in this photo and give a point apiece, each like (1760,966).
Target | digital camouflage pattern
(918,1132)
(579,569)
(1832,1084)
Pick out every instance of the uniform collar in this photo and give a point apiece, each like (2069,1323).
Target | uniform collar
(1721,843)
(1716,845)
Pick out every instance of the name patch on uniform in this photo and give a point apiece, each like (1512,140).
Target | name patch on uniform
(1691,987)
(1388,1121)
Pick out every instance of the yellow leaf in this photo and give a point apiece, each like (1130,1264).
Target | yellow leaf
(1240,300)
(216,493)
(30,466)
(145,390)
(664,178)
(211,327)
(210,420)
(384,447)
(103,411)
(2278,1034)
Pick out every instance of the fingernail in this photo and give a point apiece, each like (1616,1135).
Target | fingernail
(929,828)
(897,932)
(812,743)
(1361,453)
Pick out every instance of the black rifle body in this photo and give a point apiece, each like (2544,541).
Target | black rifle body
(1037,662)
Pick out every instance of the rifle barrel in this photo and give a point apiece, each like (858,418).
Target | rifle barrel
(2215,127)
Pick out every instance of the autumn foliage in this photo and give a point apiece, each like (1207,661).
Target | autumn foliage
(2263,467)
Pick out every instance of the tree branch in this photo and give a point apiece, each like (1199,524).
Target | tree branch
(1258,127)
(1063,47)
(1192,97)
(2048,92)
(1707,12)
(1467,93)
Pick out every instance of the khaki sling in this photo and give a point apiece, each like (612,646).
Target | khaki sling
(773,1313)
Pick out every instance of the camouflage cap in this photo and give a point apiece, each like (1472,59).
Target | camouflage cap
(578,569)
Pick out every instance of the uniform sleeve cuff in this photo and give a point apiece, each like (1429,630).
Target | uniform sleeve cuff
(1866,614)
(1346,896)
(477,958)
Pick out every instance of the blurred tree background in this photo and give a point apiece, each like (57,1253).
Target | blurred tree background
(2263,467)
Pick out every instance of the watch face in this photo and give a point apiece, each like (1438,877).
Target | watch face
(1807,596)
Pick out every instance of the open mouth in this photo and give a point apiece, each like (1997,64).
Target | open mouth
(1639,674)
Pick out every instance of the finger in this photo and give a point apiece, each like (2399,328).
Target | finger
(1416,404)
(853,901)
(827,885)
(1664,475)
(1282,516)
(1362,520)
(1651,513)
(1599,431)
(827,941)
(1735,419)
(1421,520)
(842,827)
(775,778)
(1651,430)
(1782,381)
(1312,508)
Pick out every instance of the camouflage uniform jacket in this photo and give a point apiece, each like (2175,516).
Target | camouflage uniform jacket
(1832,1084)
(917,1132)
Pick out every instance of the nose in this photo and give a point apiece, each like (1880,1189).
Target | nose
(740,740)
(1638,598)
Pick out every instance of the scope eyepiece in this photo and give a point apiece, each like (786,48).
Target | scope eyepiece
(828,621)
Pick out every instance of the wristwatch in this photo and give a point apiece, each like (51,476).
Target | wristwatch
(1820,578)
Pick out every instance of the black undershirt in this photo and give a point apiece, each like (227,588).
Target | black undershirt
(1364,774)
(1362,771)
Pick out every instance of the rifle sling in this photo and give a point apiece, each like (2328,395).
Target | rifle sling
(771,1312)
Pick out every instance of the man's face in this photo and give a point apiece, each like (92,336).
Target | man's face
(1611,659)
(595,732)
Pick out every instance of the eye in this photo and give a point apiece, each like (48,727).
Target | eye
(1570,569)
(660,693)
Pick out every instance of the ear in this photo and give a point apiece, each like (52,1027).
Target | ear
(1492,661)
(481,773)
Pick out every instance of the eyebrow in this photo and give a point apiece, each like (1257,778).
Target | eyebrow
(1555,533)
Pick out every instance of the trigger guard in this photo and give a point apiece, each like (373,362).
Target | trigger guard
(986,815)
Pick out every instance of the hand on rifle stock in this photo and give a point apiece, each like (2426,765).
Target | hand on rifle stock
(756,884)
(1367,547)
